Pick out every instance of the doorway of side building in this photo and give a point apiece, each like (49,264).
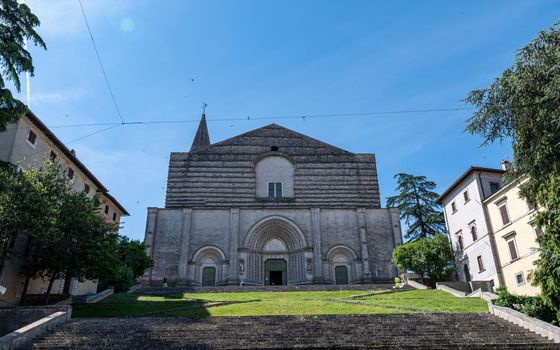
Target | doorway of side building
(341,274)
(467,273)
(208,276)
(275,272)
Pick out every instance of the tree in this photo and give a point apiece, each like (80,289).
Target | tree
(133,262)
(28,206)
(417,203)
(523,106)
(426,256)
(80,245)
(17,24)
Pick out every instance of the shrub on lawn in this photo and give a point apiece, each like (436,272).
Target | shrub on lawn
(530,306)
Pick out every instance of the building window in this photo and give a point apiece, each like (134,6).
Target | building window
(274,190)
(480,263)
(114,216)
(86,188)
(538,231)
(520,279)
(274,148)
(512,249)
(52,156)
(504,213)
(31,137)
(474,233)
(494,187)
(453,207)
(531,206)
(460,242)
(71,174)
(106,209)
(466,196)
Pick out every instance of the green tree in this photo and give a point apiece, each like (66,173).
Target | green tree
(81,244)
(28,206)
(523,106)
(417,203)
(133,262)
(426,256)
(17,24)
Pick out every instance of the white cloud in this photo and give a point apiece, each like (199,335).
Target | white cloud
(68,95)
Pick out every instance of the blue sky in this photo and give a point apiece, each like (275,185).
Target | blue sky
(274,59)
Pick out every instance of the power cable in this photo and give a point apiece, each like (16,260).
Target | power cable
(249,118)
(101,63)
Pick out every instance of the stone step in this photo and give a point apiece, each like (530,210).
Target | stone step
(248,288)
(412,331)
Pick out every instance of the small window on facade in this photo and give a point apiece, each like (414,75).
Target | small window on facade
(480,263)
(274,190)
(466,196)
(512,249)
(460,242)
(274,148)
(494,187)
(106,209)
(114,216)
(538,231)
(504,213)
(474,233)
(531,206)
(52,156)
(453,207)
(31,137)
(71,174)
(519,278)
(86,188)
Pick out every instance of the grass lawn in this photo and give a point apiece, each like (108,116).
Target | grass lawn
(279,303)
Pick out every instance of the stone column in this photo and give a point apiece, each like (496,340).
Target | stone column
(233,277)
(364,243)
(184,252)
(316,236)
(149,241)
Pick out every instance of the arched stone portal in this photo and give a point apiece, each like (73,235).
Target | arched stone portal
(269,242)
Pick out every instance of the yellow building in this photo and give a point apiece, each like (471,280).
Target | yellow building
(29,143)
(511,220)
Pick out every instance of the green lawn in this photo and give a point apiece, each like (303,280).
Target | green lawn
(279,303)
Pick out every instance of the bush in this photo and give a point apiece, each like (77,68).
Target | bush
(530,306)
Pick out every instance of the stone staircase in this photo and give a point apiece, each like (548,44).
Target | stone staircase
(397,331)
(247,288)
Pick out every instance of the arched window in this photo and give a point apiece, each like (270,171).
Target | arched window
(474,233)
(275,177)
(460,242)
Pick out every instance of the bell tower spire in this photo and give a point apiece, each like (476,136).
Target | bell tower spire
(202,138)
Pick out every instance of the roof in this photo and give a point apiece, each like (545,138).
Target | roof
(464,176)
(275,131)
(60,145)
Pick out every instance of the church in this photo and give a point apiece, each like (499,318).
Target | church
(270,207)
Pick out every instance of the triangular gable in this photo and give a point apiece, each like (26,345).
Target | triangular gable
(284,136)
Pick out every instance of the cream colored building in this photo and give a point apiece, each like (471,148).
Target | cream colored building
(29,143)
(510,219)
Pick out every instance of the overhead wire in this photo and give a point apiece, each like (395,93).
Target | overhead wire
(249,118)
(101,63)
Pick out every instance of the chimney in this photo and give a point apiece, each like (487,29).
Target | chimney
(505,164)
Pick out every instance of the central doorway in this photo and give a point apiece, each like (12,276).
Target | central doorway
(275,272)
(341,274)
(208,276)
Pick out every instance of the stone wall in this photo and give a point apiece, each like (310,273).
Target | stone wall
(12,318)
(181,241)
(223,174)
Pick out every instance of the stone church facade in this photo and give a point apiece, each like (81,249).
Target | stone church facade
(270,207)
